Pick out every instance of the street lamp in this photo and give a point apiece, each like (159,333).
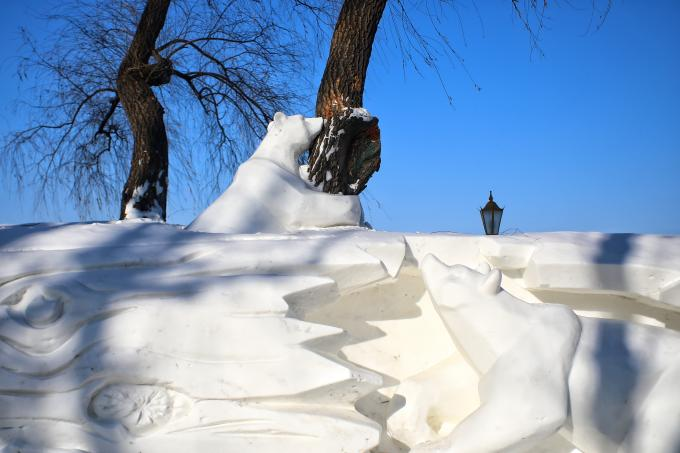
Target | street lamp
(491,216)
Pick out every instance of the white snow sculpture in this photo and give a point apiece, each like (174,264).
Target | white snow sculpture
(269,193)
(609,386)
(143,336)
(133,337)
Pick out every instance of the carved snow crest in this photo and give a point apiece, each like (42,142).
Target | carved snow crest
(642,266)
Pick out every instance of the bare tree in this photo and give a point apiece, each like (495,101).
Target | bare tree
(347,152)
(117,72)
(120,79)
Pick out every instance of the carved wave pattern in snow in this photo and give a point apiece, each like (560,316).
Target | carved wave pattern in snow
(130,359)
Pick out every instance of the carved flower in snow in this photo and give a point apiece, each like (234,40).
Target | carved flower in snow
(138,408)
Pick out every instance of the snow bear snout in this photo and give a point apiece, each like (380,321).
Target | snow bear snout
(436,271)
(432,269)
(314,126)
(435,274)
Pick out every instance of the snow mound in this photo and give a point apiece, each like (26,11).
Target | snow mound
(269,192)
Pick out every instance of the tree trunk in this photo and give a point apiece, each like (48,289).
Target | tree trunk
(145,192)
(347,152)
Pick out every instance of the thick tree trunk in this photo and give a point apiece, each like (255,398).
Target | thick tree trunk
(347,152)
(145,192)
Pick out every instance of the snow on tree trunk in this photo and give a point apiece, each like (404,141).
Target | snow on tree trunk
(347,152)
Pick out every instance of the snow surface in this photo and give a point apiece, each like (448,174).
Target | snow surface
(360,112)
(140,336)
(269,193)
(155,213)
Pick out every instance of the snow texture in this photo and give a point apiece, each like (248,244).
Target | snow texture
(142,336)
(268,194)
(543,369)
(155,213)
(360,112)
(354,112)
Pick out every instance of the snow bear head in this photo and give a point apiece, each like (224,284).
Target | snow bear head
(473,308)
(453,286)
(287,137)
(296,131)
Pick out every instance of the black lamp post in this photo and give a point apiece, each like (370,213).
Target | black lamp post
(491,216)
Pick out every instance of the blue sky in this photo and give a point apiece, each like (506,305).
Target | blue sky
(584,138)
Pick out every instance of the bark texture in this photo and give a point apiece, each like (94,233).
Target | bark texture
(347,152)
(147,183)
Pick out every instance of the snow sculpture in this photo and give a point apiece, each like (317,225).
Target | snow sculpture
(133,337)
(270,192)
(143,336)
(607,385)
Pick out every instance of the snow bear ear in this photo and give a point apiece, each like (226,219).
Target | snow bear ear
(278,118)
(491,283)
(483,267)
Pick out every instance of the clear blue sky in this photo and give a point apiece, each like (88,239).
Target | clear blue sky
(585,138)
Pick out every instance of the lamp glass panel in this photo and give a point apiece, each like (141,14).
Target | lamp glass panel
(497,221)
(488,225)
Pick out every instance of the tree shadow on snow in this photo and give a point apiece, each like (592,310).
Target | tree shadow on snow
(618,369)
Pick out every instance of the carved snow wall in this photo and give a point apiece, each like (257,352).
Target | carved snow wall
(144,337)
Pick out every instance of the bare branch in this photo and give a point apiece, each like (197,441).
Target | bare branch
(221,70)
(102,126)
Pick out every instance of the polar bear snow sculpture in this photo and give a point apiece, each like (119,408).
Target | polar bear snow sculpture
(268,193)
(608,386)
